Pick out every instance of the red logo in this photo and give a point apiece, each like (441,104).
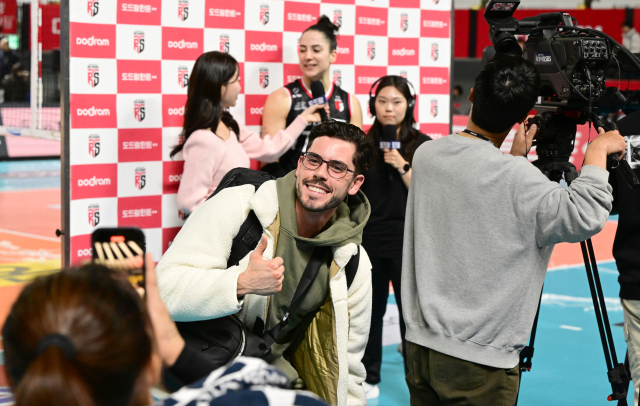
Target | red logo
(140,12)
(404,51)
(94,214)
(139,145)
(138,41)
(93,40)
(264,14)
(264,77)
(434,108)
(263,46)
(89,111)
(140,211)
(403,74)
(435,24)
(139,110)
(93,75)
(434,81)
(224,14)
(337,78)
(435,54)
(94,145)
(345,50)
(184,44)
(366,76)
(371,50)
(139,76)
(93,7)
(172,174)
(224,43)
(183,9)
(337,17)
(291,72)
(140,177)
(92,181)
(371,20)
(299,16)
(404,22)
(183,76)
(173,109)
(253,108)
(81,249)
(339,104)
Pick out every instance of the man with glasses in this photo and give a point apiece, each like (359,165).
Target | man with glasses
(317,205)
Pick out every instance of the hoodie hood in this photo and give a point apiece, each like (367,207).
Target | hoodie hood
(344,227)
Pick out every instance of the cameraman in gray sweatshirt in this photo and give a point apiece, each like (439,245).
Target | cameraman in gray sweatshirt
(480,228)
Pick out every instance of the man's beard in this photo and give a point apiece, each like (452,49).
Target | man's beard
(331,204)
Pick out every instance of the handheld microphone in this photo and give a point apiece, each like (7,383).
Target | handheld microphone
(389,137)
(317,90)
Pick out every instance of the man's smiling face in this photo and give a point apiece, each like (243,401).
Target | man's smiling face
(316,189)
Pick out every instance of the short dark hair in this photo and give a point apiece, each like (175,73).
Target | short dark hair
(363,159)
(627,23)
(504,92)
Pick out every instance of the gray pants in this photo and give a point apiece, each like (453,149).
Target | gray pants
(632,337)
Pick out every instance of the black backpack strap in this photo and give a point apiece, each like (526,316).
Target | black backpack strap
(247,239)
(352,267)
(310,272)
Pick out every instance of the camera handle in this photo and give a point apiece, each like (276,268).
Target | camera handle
(617,373)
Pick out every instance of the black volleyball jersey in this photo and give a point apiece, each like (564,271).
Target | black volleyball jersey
(299,96)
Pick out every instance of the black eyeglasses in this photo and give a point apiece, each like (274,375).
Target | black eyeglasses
(337,169)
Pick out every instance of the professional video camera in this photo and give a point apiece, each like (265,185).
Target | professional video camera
(571,62)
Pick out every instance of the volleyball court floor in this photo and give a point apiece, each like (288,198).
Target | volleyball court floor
(568,365)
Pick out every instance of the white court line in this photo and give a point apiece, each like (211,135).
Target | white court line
(564,326)
(40,237)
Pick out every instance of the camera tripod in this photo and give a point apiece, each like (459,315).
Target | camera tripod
(617,373)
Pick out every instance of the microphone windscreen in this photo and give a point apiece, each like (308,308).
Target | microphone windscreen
(629,125)
(389,135)
(317,89)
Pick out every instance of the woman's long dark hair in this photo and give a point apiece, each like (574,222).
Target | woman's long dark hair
(204,105)
(408,134)
(329,29)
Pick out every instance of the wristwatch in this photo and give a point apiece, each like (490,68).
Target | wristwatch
(405,168)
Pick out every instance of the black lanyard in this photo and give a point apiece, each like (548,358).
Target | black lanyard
(482,137)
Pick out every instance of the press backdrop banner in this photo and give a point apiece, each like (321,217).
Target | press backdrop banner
(129,63)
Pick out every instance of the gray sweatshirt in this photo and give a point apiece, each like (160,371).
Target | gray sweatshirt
(480,228)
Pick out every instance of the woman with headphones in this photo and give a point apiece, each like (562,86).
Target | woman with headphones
(316,53)
(387,188)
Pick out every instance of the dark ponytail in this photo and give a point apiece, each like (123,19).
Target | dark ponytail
(329,29)
(104,322)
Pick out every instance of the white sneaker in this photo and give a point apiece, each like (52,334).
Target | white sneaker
(371,391)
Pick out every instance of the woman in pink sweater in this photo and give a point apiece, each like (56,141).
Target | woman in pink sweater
(213,142)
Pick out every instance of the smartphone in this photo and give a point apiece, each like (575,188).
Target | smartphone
(113,247)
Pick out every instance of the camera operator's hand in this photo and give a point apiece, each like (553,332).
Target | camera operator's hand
(262,277)
(606,144)
(523,140)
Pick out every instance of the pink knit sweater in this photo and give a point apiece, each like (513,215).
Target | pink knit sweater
(207,158)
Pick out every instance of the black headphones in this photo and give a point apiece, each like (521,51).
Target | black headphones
(411,103)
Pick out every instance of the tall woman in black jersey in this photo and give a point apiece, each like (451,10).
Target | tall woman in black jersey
(387,187)
(316,54)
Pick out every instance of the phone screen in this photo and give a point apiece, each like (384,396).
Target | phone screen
(115,248)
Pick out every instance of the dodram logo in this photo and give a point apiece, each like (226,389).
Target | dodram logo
(178,111)
(92,182)
(182,44)
(92,41)
(264,47)
(92,112)
(403,52)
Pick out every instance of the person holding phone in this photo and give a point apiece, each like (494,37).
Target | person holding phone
(213,142)
(316,52)
(387,188)
(84,337)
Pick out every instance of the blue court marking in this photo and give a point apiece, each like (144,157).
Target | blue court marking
(568,364)
(28,175)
